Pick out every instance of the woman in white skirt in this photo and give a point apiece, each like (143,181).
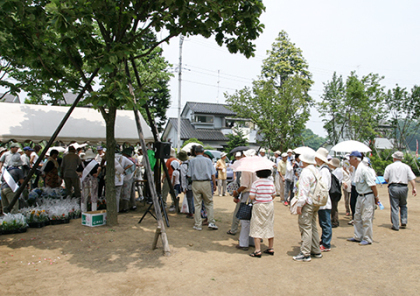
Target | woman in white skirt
(262,222)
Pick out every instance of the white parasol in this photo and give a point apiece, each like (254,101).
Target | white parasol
(252,164)
(187,148)
(304,150)
(349,146)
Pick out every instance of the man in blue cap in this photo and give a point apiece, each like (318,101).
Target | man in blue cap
(367,197)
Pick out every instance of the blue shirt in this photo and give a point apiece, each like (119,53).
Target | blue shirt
(201,169)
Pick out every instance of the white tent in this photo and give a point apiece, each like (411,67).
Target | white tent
(23,122)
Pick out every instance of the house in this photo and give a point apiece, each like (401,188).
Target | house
(209,123)
(8,98)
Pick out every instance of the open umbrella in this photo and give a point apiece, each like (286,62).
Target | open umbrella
(349,146)
(252,164)
(187,148)
(304,150)
(239,149)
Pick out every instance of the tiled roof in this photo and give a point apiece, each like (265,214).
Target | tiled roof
(210,108)
(188,131)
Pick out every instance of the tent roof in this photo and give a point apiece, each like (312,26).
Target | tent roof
(23,122)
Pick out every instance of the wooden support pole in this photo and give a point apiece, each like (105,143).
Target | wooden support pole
(156,137)
(52,139)
(159,219)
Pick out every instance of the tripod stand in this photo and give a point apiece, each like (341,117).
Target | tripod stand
(165,215)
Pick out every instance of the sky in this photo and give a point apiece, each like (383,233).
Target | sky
(370,36)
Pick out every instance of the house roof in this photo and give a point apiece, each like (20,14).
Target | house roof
(210,108)
(8,98)
(188,131)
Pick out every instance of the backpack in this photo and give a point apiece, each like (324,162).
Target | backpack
(335,190)
(320,196)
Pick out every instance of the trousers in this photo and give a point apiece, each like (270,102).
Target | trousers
(398,202)
(221,186)
(325,224)
(363,218)
(202,192)
(308,230)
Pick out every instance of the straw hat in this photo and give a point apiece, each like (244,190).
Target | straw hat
(284,154)
(249,152)
(335,162)
(308,158)
(223,154)
(89,154)
(322,154)
(398,155)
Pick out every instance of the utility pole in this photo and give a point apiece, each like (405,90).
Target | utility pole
(181,40)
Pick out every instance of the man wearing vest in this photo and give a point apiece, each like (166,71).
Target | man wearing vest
(397,175)
(365,181)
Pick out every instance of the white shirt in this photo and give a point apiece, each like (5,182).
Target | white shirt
(398,172)
(339,173)
(307,183)
(175,177)
(326,177)
(364,178)
(289,171)
(36,157)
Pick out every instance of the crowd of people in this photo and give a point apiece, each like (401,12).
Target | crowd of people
(298,179)
(81,171)
(294,179)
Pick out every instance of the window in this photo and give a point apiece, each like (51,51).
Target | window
(203,119)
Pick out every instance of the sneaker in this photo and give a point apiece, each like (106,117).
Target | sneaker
(403,225)
(393,228)
(301,257)
(197,228)
(286,203)
(172,208)
(316,255)
(352,239)
(364,243)
(350,222)
(213,226)
(324,249)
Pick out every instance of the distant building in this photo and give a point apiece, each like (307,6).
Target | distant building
(9,98)
(208,123)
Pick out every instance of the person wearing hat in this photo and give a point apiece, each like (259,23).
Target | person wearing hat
(235,221)
(324,213)
(398,175)
(12,175)
(186,183)
(334,164)
(26,156)
(7,156)
(276,174)
(222,174)
(262,153)
(306,211)
(288,177)
(127,190)
(50,171)
(367,197)
(201,171)
(281,168)
(71,167)
(89,181)
(165,187)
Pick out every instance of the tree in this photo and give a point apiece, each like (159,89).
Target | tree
(355,110)
(191,140)
(236,139)
(5,69)
(72,42)
(278,102)
(331,107)
(403,109)
(312,140)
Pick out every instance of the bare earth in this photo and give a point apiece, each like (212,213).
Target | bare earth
(77,260)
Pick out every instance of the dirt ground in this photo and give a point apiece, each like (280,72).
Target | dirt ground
(72,259)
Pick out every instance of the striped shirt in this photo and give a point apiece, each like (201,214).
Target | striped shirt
(263,189)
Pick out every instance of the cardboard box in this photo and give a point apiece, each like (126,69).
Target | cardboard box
(93,219)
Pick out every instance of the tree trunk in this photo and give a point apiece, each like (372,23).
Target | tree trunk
(111,201)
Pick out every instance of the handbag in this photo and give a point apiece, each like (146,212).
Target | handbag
(184,207)
(245,210)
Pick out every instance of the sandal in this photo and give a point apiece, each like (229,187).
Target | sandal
(230,232)
(269,252)
(256,254)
